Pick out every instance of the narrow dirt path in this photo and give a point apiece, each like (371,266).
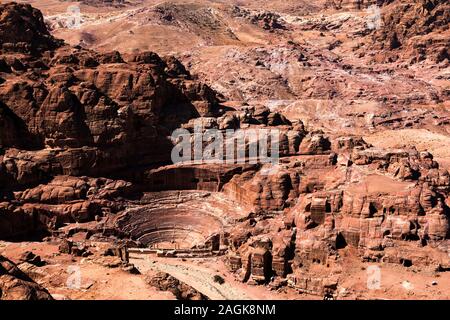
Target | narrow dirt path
(201,279)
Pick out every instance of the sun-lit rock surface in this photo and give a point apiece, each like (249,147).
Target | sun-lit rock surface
(362,113)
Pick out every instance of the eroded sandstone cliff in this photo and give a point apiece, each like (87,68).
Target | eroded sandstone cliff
(85,150)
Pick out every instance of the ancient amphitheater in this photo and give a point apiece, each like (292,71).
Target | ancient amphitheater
(356,94)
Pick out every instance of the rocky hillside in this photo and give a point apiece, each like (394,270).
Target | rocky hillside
(417,30)
(23,30)
(70,111)
(85,142)
(16,285)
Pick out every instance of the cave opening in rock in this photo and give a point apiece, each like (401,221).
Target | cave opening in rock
(268,272)
(406,262)
(340,241)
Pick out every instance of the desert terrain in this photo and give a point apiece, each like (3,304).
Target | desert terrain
(92,205)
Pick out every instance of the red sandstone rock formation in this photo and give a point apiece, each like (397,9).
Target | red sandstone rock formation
(16,285)
(83,134)
(23,30)
(414,30)
(70,111)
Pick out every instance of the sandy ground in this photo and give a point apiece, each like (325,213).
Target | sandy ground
(424,140)
(395,282)
(199,273)
(97,281)
(66,277)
